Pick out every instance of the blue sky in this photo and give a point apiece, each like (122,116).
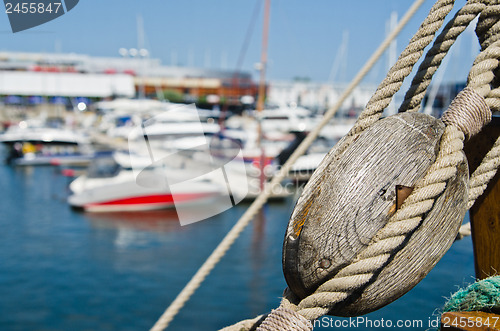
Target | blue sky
(304,35)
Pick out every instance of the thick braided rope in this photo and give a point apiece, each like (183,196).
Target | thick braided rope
(482,75)
(403,66)
(488,26)
(436,54)
(257,204)
(471,122)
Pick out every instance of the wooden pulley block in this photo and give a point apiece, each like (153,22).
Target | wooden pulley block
(351,196)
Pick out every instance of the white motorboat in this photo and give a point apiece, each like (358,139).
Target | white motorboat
(35,144)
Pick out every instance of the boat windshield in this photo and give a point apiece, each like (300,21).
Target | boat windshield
(103,168)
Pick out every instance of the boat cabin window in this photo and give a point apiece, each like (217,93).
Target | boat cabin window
(103,168)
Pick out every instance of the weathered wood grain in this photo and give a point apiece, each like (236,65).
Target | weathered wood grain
(352,196)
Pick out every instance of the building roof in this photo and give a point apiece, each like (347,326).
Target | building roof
(65,84)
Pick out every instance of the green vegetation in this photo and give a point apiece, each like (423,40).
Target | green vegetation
(173,96)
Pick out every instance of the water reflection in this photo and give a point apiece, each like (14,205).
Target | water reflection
(259,224)
(257,282)
(155,220)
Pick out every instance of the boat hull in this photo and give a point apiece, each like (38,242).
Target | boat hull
(123,193)
(145,202)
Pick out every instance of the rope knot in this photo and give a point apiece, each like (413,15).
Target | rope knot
(284,319)
(468,112)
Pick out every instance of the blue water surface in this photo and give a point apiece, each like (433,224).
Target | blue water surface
(65,270)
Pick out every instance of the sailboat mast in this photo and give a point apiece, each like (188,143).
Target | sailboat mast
(263,57)
(262,91)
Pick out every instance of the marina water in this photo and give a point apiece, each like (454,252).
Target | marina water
(62,269)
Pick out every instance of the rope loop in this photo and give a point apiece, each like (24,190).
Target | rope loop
(468,112)
(488,25)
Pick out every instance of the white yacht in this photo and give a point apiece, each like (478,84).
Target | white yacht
(32,143)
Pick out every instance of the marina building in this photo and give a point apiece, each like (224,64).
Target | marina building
(25,77)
